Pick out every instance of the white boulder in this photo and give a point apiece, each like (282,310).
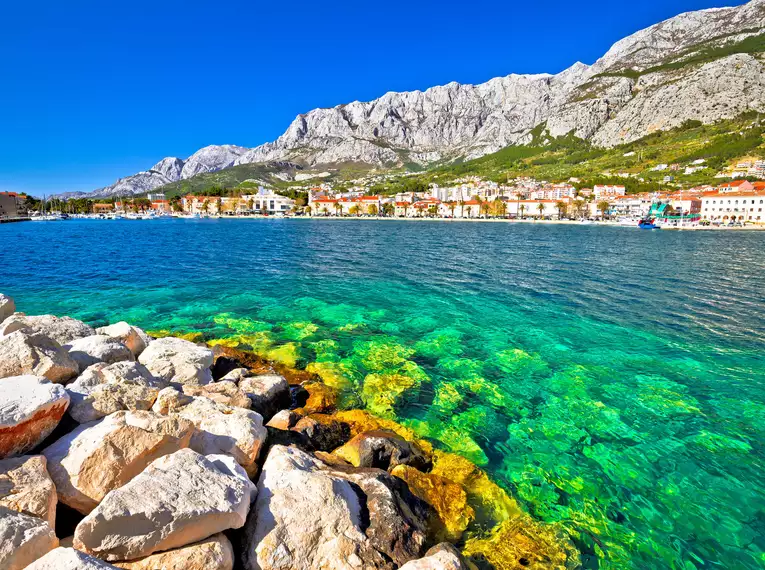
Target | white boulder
(24,352)
(107,388)
(132,337)
(69,559)
(214,553)
(443,556)
(23,539)
(61,329)
(99,457)
(268,393)
(97,348)
(178,361)
(226,429)
(179,499)
(30,408)
(26,487)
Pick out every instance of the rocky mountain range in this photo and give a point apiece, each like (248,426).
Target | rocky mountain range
(704,65)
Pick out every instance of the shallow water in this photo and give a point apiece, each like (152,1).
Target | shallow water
(613,379)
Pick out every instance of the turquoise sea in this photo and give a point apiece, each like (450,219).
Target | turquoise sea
(612,379)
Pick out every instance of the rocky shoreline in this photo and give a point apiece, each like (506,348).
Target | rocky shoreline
(120,450)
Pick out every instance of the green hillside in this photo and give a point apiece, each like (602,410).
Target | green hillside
(559,159)
(221,181)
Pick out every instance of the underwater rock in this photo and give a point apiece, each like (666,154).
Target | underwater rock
(321,433)
(24,352)
(382,449)
(178,361)
(26,487)
(103,389)
(99,457)
(321,398)
(210,494)
(97,348)
(23,539)
(449,500)
(30,409)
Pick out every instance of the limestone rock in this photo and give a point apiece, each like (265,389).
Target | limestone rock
(224,392)
(24,352)
(383,449)
(61,329)
(268,393)
(68,559)
(132,337)
(178,361)
(284,420)
(99,457)
(214,553)
(319,527)
(169,401)
(443,556)
(23,539)
(97,348)
(210,158)
(236,375)
(7,307)
(226,429)
(30,408)
(103,389)
(449,500)
(339,519)
(26,487)
(179,499)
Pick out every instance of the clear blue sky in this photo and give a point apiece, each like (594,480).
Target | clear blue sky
(94,90)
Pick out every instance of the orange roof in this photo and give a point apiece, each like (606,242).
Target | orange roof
(733,184)
(325,201)
(746,194)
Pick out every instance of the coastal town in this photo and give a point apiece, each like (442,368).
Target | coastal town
(735,203)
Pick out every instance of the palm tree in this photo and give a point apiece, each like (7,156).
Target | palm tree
(462,208)
(603,206)
(433,210)
(522,209)
(406,207)
(388,209)
(562,206)
(452,205)
(541,209)
(354,210)
(499,208)
(325,211)
(338,208)
(372,210)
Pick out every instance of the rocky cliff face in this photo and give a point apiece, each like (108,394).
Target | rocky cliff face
(654,79)
(605,102)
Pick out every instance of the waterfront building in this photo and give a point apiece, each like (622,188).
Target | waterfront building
(156,196)
(632,206)
(268,201)
(608,191)
(12,205)
(160,206)
(726,207)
